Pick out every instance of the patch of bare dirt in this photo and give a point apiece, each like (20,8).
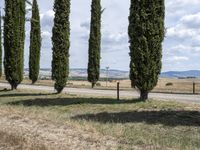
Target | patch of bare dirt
(26,133)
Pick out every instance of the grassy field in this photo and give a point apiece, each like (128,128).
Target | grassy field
(130,124)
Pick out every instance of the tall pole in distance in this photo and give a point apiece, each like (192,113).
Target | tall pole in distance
(107,68)
(118,90)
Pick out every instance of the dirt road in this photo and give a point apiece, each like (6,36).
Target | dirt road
(111,93)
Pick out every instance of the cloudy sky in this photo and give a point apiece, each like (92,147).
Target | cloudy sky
(181,48)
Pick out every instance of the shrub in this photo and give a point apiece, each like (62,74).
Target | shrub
(169,84)
(98,84)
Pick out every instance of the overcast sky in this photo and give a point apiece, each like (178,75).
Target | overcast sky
(181,48)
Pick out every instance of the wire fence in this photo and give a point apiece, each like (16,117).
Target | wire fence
(179,87)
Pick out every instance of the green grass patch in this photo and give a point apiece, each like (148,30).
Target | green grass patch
(153,124)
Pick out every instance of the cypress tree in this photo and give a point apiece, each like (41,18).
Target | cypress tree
(94,43)
(0,46)
(146,34)
(61,44)
(14,35)
(35,44)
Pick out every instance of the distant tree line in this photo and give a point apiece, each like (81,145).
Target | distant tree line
(146,34)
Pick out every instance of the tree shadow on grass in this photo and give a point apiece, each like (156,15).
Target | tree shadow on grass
(167,118)
(24,94)
(70,101)
(5,90)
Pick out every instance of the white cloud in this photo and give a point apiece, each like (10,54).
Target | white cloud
(180,31)
(191,20)
(181,3)
(186,48)
(47,19)
(48,14)
(180,58)
(45,34)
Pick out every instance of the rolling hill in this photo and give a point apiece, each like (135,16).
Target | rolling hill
(79,72)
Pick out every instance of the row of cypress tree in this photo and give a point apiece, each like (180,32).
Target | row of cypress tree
(61,43)
(146,34)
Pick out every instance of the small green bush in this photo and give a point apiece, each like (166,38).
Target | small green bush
(98,84)
(69,83)
(169,84)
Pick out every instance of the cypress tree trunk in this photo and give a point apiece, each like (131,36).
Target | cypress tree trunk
(143,95)
(35,44)
(94,43)
(14,35)
(0,46)
(61,44)
(146,34)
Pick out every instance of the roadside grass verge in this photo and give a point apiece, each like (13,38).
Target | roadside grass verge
(151,125)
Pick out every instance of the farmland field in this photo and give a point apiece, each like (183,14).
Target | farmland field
(166,85)
(41,120)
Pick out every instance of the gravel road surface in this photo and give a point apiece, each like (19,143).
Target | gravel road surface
(111,93)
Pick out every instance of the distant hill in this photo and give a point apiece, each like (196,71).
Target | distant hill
(125,74)
(79,72)
(184,74)
(103,73)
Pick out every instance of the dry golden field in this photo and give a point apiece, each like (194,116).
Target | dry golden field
(176,85)
(166,85)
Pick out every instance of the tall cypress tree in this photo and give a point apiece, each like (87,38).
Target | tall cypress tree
(14,35)
(146,34)
(35,43)
(94,43)
(61,44)
(0,46)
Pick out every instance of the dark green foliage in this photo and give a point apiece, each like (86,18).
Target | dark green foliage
(14,35)
(169,84)
(0,46)
(35,43)
(95,43)
(61,44)
(146,34)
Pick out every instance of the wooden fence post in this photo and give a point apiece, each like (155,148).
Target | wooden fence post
(194,90)
(117,90)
